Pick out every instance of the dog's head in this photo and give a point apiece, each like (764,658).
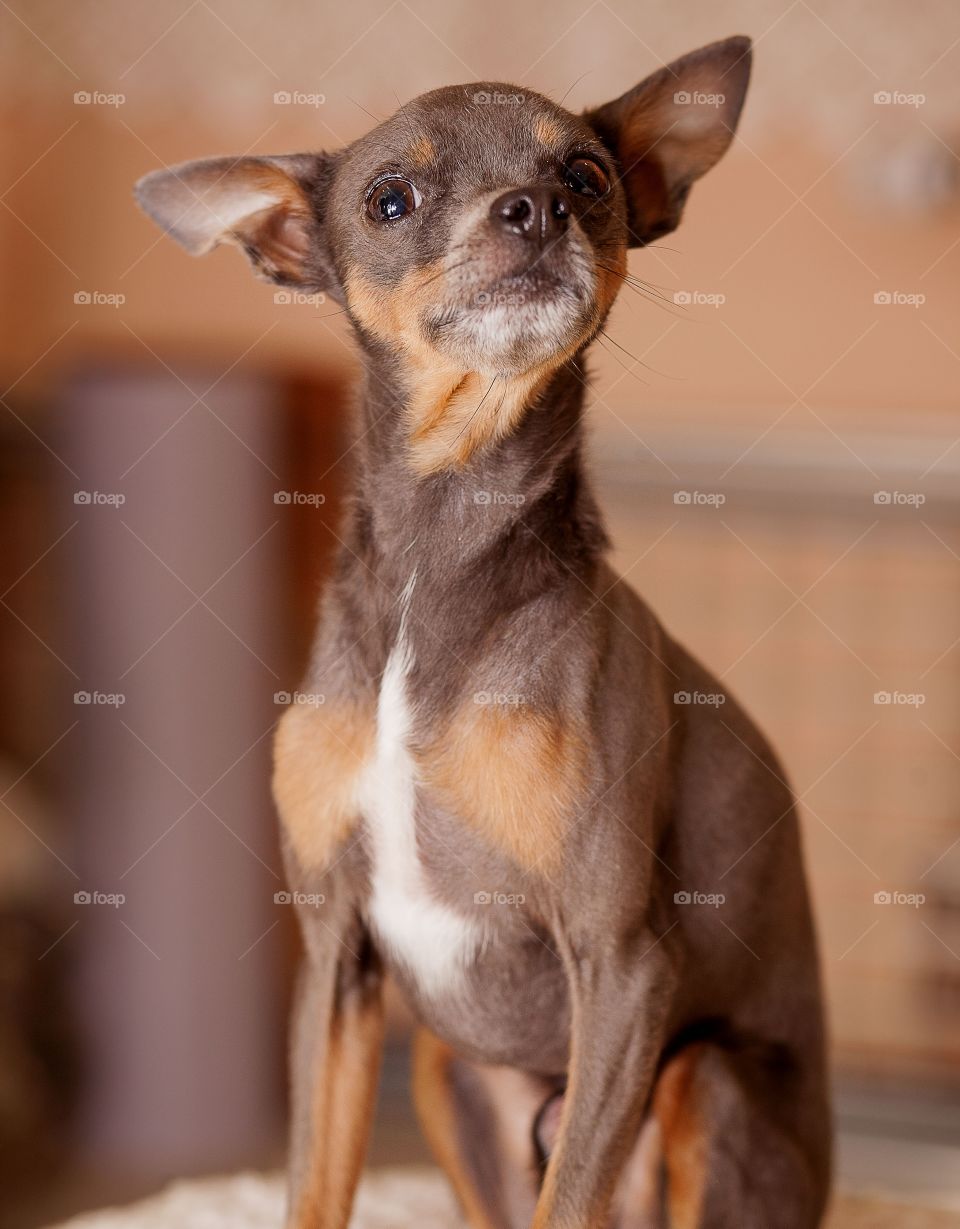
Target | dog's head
(481,232)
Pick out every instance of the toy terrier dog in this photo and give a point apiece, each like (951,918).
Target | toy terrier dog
(500,800)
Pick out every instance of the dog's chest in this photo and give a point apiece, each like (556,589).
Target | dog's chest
(434,941)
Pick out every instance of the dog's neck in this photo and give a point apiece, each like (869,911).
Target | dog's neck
(518,509)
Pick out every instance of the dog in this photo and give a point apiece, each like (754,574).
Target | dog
(502,800)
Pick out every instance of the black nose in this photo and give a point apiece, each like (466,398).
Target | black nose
(538,213)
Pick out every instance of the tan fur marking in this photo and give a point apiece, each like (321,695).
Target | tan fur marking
(454,413)
(609,283)
(444,427)
(547,130)
(319,752)
(422,152)
(435,1109)
(684,1139)
(343,1104)
(515,774)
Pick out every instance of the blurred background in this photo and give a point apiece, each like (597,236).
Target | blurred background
(777,445)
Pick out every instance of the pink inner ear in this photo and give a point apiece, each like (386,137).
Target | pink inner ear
(280,238)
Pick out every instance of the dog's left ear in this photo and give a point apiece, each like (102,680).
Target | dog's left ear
(671,128)
(272,208)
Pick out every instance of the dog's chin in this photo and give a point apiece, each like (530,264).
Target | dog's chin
(514,326)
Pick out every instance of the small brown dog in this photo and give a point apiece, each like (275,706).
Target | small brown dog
(502,799)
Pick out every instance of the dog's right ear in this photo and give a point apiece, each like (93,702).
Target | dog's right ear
(271,207)
(672,128)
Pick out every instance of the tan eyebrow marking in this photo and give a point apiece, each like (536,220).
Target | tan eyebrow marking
(422,152)
(547,130)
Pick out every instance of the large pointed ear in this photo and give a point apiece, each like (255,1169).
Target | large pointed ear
(273,208)
(671,128)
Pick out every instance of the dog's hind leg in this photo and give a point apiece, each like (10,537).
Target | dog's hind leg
(479,1122)
(729,1158)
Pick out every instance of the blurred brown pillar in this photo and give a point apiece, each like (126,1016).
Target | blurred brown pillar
(179,988)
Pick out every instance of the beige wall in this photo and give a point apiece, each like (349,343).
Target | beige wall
(798,277)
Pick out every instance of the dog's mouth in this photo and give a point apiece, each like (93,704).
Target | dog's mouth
(491,319)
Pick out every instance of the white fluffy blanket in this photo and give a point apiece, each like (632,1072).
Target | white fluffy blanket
(393,1199)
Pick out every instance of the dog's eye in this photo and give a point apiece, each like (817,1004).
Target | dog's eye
(586,177)
(391,199)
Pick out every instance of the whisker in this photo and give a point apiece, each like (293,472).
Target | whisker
(616,359)
(476,411)
(656,371)
(366,110)
(449,269)
(641,288)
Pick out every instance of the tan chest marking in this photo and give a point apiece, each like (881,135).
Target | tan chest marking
(517,775)
(319,754)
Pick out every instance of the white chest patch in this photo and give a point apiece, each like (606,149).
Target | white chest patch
(433,940)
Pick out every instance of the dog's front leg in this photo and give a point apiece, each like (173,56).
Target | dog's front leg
(620,998)
(336,1045)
